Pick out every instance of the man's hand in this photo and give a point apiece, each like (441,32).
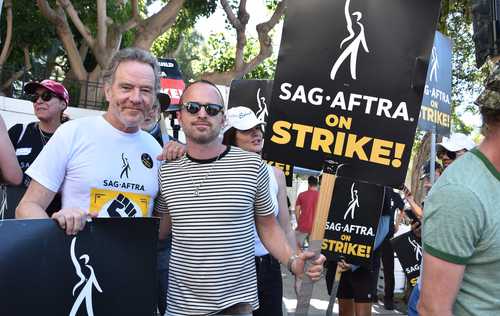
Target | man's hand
(343,266)
(72,220)
(416,228)
(314,270)
(172,151)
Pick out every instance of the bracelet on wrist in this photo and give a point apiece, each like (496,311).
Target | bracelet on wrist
(290,262)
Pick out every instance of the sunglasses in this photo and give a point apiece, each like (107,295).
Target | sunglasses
(451,154)
(212,109)
(46,96)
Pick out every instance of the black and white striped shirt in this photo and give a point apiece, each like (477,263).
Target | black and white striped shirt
(212,263)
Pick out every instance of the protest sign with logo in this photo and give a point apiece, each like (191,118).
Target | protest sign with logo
(435,113)
(256,95)
(350,88)
(409,252)
(352,222)
(171,81)
(109,268)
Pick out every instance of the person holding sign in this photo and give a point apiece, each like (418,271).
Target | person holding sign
(461,234)
(103,166)
(211,199)
(355,291)
(246,132)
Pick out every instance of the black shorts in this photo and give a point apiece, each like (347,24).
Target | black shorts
(356,285)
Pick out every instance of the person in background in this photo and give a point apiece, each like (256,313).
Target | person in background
(453,147)
(245,131)
(385,252)
(50,99)
(305,209)
(355,291)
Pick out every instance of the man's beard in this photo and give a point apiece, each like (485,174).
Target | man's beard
(202,139)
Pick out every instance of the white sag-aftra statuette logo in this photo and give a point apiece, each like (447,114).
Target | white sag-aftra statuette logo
(353,203)
(261,102)
(434,65)
(86,284)
(416,247)
(354,40)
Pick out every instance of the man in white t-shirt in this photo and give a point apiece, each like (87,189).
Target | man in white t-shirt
(103,166)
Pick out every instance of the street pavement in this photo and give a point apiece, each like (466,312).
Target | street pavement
(319,301)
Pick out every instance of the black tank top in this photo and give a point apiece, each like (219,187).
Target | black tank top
(28,142)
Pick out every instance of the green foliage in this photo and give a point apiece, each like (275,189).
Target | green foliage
(185,55)
(455,22)
(218,55)
(30,29)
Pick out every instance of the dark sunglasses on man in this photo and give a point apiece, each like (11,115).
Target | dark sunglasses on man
(46,96)
(212,109)
(442,151)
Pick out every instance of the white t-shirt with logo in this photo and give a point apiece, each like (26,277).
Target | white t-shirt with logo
(99,168)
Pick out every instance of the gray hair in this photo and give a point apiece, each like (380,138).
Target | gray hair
(132,54)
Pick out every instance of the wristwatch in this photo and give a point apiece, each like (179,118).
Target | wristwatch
(290,262)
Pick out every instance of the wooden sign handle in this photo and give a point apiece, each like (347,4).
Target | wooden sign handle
(317,233)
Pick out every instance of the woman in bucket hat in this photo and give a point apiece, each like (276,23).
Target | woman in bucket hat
(245,131)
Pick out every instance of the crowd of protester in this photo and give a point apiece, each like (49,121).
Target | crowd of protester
(52,168)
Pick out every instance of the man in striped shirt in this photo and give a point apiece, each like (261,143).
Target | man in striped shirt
(211,199)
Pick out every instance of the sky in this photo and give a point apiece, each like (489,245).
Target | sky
(216,22)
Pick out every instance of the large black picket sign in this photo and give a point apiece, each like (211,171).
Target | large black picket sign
(389,71)
(38,275)
(256,95)
(253,94)
(352,221)
(409,252)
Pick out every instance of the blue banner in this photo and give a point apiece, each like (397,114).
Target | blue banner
(436,102)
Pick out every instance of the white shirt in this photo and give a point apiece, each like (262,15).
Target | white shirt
(99,168)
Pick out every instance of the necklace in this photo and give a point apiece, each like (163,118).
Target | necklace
(197,188)
(43,137)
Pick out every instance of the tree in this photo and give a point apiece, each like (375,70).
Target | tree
(21,30)
(456,22)
(241,66)
(218,56)
(92,31)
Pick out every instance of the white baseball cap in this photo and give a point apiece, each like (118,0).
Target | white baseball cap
(242,118)
(456,142)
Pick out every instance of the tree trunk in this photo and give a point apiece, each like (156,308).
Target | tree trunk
(8,36)
(419,160)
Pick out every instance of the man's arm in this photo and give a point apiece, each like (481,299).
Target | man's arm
(283,215)
(274,240)
(35,202)
(440,284)
(399,219)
